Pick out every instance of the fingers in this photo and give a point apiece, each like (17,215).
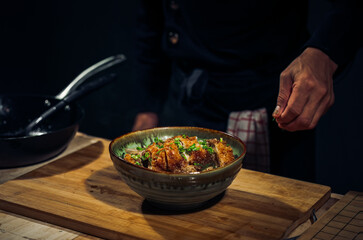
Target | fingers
(284,94)
(295,106)
(300,104)
(307,103)
(307,119)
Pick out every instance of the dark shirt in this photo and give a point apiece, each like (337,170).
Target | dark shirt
(262,36)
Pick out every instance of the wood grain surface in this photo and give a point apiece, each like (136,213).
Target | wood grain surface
(83,192)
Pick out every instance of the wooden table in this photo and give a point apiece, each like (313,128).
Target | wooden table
(80,196)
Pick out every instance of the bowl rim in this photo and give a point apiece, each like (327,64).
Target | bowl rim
(241,156)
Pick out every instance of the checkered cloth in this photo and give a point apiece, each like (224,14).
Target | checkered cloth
(252,128)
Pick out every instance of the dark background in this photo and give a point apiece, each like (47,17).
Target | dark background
(44,45)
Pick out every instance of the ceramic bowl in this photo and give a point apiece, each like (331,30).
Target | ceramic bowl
(175,191)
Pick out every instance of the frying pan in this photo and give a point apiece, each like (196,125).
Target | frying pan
(50,136)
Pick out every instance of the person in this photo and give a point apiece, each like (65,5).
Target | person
(198,62)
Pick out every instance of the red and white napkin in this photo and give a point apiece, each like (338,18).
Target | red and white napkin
(252,128)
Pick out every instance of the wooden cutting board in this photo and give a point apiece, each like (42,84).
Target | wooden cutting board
(83,192)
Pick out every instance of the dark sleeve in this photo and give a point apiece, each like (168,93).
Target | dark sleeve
(340,34)
(152,68)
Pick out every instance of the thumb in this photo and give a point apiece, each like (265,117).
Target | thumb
(284,94)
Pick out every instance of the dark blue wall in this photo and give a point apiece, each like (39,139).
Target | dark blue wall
(44,45)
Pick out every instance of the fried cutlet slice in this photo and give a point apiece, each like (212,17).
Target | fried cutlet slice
(224,153)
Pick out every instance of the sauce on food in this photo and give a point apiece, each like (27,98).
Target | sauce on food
(182,154)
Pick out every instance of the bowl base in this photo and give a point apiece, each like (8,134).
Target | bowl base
(149,205)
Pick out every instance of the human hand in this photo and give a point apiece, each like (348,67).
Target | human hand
(306,91)
(145,120)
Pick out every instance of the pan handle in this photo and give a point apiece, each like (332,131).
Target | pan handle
(73,96)
(92,70)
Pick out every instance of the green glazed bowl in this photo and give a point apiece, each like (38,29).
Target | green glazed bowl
(175,191)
